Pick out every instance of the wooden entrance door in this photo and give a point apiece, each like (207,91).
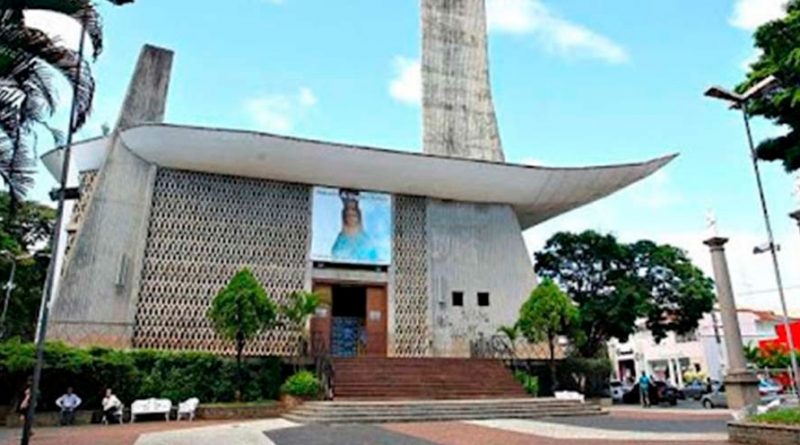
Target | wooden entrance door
(321,321)
(376,323)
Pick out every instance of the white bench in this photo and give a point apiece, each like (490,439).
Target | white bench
(151,406)
(188,408)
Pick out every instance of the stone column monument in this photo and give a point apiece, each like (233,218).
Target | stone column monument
(741,385)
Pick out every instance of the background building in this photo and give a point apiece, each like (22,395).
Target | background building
(701,351)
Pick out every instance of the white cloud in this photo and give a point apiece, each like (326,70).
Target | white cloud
(280,112)
(753,58)
(307,97)
(406,86)
(750,14)
(535,162)
(657,192)
(554,33)
(58,26)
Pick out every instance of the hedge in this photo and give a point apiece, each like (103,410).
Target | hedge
(133,374)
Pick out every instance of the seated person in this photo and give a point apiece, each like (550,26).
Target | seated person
(68,403)
(111,407)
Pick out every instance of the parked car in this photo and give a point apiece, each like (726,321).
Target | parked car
(697,388)
(617,390)
(715,399)
(660,392)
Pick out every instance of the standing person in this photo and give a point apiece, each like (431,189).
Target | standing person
(68,403)
(111,407)
(22,408)
(644,389)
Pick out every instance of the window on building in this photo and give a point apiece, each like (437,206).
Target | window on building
(483,298)
(458,298)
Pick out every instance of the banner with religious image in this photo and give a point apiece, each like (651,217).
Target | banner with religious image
(349,226)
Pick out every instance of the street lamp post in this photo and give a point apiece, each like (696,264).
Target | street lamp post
(742,101)
(48,290)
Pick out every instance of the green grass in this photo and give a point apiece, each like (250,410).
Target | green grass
(779,417)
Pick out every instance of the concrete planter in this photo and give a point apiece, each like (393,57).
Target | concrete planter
(290,402)
(235,412)
(763,434)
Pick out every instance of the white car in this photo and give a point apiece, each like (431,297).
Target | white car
(717,398)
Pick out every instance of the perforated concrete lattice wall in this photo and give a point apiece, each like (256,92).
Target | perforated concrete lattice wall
(203,229)
(411,336)
(87,181)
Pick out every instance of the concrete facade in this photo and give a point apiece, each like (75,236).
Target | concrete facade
(475,248)
(97,296)
(459,119)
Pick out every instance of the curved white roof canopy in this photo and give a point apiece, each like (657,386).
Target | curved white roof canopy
(536,193)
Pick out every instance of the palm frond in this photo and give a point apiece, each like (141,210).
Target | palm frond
(33,44)
(16,167)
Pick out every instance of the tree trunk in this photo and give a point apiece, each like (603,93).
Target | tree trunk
(239,349)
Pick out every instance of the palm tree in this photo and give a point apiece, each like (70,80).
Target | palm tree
(28,59)
(27,91)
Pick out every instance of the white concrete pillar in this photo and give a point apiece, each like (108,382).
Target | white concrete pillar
(741,384)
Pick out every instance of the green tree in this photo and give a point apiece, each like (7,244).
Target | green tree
(779,45)
(614,284)
(28,239)
(302,305)
(240,312)
(547,314)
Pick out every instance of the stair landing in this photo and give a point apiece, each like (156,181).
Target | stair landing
(438,410)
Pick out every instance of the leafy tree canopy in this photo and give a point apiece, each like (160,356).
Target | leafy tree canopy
(28,238)
(546,314)
(779,45)
(615,284)
(242,309)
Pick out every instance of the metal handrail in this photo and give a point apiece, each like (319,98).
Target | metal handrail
(323,366)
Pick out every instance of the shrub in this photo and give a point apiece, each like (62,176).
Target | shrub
(779,417)
(529,382)
(301,384)
(133,374)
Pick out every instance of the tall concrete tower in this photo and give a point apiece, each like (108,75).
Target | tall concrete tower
(458,114)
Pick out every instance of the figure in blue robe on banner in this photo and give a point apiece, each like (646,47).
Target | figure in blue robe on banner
(353,243)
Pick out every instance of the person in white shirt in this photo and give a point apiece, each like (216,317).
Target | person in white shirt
(111,407)
(68,403)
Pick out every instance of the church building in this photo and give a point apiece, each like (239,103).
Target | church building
(415,254)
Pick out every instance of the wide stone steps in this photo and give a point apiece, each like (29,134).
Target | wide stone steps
(426,411)
(371,378)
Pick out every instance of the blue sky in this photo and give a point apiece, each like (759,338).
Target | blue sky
(576,82)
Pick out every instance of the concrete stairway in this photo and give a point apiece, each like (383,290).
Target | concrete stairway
(437,410)
(380,378)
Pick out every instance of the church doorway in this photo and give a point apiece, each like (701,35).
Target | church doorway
(352,320)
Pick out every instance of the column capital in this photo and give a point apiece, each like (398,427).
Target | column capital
(716,242)
(795,215)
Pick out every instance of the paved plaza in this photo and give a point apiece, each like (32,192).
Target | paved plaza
(620,427)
